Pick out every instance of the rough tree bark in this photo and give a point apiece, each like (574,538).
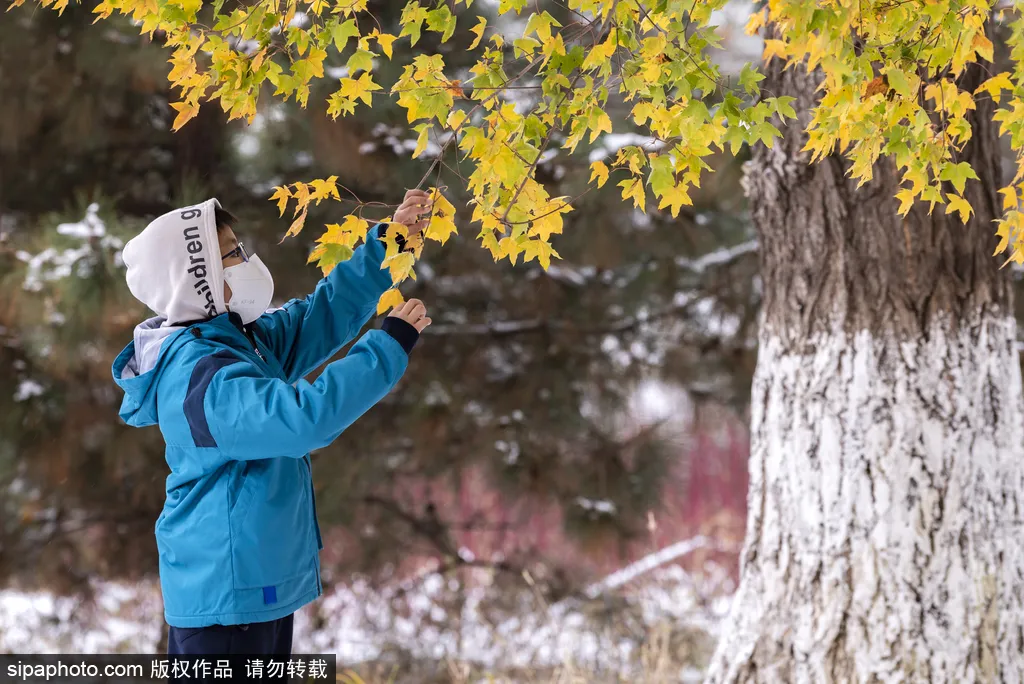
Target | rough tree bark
(883,540)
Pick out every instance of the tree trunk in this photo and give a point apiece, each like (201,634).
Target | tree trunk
(883,537)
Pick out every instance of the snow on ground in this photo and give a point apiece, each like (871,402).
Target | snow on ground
(429,617)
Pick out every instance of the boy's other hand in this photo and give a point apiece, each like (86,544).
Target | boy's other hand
(414,212)
(412,312)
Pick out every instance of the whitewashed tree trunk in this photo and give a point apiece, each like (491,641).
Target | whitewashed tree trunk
(884,538)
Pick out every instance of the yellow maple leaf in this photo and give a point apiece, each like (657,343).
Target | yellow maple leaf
(1009,194)
(490,242)
(554,46)
(601,55)
(442,219)
(755,23)
(186,111)
(317,252)
(603,123)
(509,248)
(357,226)
(389,300)
(400,266)
(421,139)
(1003,233)
(390,238)
(478,31)
(456,119)
(906,196)
(441,204)
(385,40)
(599,170)
(995,85)
(359,88)
(641,112)
(674,198)
(541,250)
(773,48)
(983,46)
(281,195)
(440,228)
(549,219)
(959,205)
(323,188)
(634,187)
(301,195)
(104,9)
(297,225)
(348,232)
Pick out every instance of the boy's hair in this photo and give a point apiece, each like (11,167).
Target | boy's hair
(225,219)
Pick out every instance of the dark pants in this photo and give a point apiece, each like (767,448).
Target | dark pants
(257,638)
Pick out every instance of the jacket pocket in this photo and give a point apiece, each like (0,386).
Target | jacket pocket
(271,525)
(242,501)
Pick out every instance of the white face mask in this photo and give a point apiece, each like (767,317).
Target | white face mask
(252,289)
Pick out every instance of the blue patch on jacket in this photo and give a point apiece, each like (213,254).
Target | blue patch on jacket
(238,537)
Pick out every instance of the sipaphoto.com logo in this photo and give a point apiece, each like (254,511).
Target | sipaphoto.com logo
(197,262)
(62,671)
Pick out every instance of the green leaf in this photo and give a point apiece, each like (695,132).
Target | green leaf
(412,20)
(766,133)
(784,106)
(361,60)
(898,82)
(735,137)
(749,80)
(330,255)
(931,195)
(662,174)
(341,33)
(299,38)
(441,20)
(957,174)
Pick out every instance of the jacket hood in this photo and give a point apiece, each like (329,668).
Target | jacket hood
(174,266)
(136,370)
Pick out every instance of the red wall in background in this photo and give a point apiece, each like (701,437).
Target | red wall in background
(705,495)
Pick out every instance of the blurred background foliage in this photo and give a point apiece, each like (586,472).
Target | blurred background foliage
(560,422)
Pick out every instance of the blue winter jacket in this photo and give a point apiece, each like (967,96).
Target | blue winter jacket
(238,537)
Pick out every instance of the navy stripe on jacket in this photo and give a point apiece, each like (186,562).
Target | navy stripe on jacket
(195,414)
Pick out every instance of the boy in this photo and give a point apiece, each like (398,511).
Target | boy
(223,378)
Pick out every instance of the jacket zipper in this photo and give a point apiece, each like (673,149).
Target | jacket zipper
(252,340)
(309,469)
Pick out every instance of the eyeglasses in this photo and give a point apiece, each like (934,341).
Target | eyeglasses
(239,252)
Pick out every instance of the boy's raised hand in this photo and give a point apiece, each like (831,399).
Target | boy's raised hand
(414,212)
(412,312)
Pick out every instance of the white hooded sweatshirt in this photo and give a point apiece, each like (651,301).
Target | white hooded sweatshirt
(174,265)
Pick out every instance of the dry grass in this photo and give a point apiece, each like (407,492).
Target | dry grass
(663,657)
